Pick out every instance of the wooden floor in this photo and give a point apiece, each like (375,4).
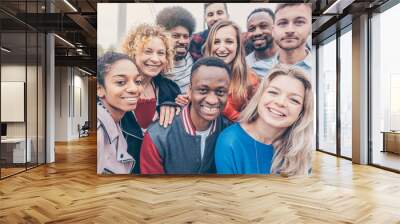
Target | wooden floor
(5,172)
(10,171)
(69,191)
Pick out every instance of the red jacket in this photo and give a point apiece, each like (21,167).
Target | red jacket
(232,109)
(177,149)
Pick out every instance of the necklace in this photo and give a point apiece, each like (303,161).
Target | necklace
(256,57)
(256,148)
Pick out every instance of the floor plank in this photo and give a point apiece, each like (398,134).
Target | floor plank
(69,191)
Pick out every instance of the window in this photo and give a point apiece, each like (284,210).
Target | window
(327,96)
(22,69)
(346,94)
(385,88)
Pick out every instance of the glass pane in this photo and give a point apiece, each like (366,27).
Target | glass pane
(385,86)
(327,97)
(346,94)
(41,99)
(314,84)
(31,98)
(32,85)
(13,86)
(23,84)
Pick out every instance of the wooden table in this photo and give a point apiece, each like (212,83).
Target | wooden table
(391,141)
(13,150)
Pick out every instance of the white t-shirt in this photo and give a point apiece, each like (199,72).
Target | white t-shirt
(204,134)
(181,72)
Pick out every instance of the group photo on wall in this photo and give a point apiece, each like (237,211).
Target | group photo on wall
(205,88)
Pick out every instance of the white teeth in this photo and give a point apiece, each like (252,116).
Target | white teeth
(276,112)
(222,55)
(131,99)
(210,109)
(152,65)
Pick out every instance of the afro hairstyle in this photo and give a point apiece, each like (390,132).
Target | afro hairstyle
(174,16)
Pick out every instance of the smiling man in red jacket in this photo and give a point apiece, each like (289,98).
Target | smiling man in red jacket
(187,145)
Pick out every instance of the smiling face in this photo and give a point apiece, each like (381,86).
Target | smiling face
(259,27)
(281,102)
(292,27)
(208,93)
(225,44)
(181,38)
(152,59)
(122,88)
(214,13)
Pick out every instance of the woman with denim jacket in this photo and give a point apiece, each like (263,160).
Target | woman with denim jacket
(119,86)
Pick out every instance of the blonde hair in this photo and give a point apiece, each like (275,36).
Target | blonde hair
(239,82)
(138,37)
(293,149)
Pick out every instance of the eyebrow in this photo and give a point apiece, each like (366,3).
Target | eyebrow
(152,49)
(295,94)
(297,17)
(282,19)
(120,75)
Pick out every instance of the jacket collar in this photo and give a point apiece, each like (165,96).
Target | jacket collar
(110,126)
(188,124)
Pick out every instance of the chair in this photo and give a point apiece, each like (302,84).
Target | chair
(84,130)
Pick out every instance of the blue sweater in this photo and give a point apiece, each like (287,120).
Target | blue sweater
(237,152)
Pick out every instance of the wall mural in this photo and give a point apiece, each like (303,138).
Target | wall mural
(212,88)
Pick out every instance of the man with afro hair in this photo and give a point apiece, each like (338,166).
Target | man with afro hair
(181,24)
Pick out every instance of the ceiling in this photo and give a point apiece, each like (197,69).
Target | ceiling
(77,23)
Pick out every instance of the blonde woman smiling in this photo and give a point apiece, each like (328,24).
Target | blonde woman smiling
(274,133)
(224,42)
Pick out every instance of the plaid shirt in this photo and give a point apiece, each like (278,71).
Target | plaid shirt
(196,44)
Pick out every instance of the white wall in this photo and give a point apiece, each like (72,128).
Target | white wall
(80,105)
(70,83)
(61,103)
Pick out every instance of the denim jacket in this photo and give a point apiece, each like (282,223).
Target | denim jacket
(112,155)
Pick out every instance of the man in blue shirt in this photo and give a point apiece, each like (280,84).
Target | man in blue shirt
(292,27)
(259,29)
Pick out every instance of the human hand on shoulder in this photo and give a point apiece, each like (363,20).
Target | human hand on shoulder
(182,99)
(167,114)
